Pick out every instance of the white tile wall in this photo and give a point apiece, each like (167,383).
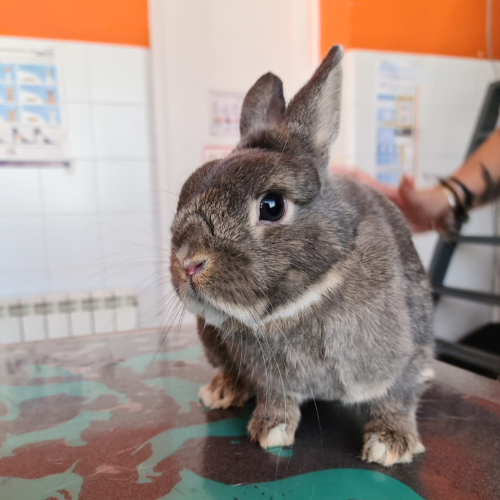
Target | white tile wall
(68,279)
(76,71)
(23,243)
(24,281)
(452,91)
(91,226)
(73,241)
(123,187)
(20,191)
(118,76)
(73,190)
(130,250)
(80,130)
(122,132)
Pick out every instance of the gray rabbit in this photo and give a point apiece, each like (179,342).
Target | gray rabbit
(305,284)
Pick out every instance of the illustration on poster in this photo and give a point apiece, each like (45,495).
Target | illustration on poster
(31,117)
(396,106)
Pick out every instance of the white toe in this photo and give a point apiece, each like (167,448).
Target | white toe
(375,450)
(207,396)
(277,436)
(419,448)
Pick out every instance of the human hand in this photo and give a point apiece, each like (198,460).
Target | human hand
(424,209)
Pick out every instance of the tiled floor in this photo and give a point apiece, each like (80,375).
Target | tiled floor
(113,416)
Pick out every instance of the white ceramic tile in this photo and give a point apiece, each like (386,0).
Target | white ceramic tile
(445,133)
(73,241)
(20,191)
(126,314)
(119,74)
(361,88)
(130,253)
(57,321)
(450,83)
(10,326)
(75,71)
(23,245)
(104,317)
(122,132)
(80,135)
(431,168)
(76,279)
(138,273)
(19,283)
(365,140)
(71,190)
(456,132)
(364,68)
(153,310)
(125,186)
(33,322)
(10,330)
(431,121)
(81,320)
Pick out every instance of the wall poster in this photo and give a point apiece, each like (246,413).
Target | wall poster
(32,129)
(396,111)
(225,111)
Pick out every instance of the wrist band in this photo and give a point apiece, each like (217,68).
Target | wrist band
(469,195)
(450,197)
(459,210)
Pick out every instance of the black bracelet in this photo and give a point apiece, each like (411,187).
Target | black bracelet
(459,211)
(469,195)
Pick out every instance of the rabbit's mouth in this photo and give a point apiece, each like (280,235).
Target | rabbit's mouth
(218,311)
(199,307)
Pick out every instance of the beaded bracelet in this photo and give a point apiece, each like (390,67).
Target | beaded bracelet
(469,195)
(459,209)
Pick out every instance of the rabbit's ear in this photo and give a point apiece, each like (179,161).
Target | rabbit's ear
(313,115)
(264,105)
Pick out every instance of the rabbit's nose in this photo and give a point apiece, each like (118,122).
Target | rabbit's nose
(194,267)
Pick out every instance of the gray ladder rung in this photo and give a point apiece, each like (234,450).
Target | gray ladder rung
(485,298)
(476,240)
(469,355)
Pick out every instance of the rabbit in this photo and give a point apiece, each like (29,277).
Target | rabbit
(306,284)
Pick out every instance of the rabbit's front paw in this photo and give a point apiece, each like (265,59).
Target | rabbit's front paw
(390,447)
(224,391)
(270,437)
(274,425)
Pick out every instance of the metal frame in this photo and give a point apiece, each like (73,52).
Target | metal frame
(445,248)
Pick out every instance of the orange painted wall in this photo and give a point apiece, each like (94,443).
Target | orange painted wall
(446,27)
(112,21)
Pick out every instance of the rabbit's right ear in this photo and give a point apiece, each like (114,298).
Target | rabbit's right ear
(264,105)
(313,115)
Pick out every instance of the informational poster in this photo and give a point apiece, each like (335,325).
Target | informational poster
(396,111)
(32,131)
(225,111)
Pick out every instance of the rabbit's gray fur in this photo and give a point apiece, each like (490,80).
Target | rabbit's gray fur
(332,303)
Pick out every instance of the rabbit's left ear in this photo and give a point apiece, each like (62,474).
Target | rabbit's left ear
(313,115)
(264,105)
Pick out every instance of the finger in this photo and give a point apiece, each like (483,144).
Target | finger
(407,190)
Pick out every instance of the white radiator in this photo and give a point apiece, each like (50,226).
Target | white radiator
(60,315)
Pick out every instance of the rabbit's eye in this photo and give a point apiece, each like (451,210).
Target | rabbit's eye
(272,207)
